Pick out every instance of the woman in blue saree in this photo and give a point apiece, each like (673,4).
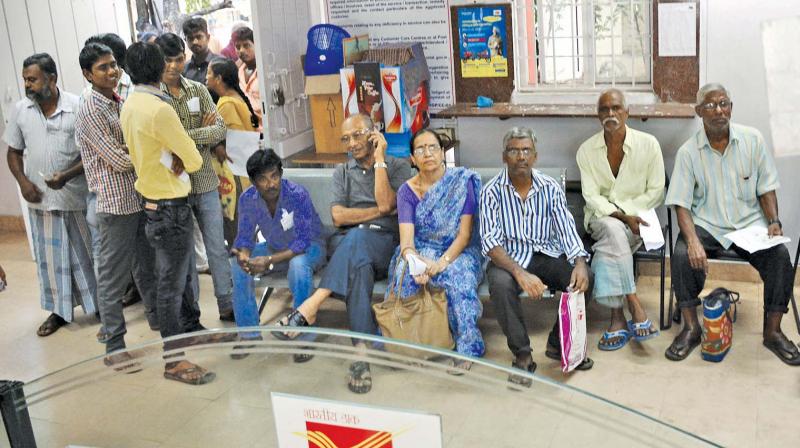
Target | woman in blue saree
(437,211)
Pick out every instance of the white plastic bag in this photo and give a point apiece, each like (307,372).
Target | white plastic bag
(572,329)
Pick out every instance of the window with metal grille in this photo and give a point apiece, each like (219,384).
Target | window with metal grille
(568,45)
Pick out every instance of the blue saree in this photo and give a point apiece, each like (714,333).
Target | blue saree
(436,221)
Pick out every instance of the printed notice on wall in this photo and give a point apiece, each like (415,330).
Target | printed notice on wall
(483,44)
(302,422)
(677,29)
(781,62)
(404,21)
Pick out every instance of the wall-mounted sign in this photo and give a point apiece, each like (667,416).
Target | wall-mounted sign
(483,44)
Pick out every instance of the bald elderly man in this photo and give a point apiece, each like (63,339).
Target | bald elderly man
(622,175)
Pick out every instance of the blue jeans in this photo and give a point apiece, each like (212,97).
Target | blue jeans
(300,275)
(208,211)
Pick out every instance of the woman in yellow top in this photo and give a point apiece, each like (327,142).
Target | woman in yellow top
(236,111)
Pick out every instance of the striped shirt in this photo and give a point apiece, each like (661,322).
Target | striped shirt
(539,223)
(191,105)
(721,190)
(108,166)
(48,145)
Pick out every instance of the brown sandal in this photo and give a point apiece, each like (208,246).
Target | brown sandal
(185,374)
(50,325)
(123,362)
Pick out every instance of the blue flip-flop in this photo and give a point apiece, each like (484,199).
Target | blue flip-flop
(623,334)
(646,325)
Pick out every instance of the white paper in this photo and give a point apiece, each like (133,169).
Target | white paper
(194,105)
(415,264)
(781,65)
(240,145)
(755,238)
(287,219)
(166,160)
(651,234)
(677,29)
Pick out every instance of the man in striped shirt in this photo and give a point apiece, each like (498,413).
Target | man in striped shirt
(199,117)
(530,237)
(120,218)
(724,180)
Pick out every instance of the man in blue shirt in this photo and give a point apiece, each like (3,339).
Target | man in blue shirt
(283,213)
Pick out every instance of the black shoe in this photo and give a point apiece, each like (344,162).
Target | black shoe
(227,316)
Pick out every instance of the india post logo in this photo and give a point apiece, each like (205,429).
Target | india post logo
(321,435)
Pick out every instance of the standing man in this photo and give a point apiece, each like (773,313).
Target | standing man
(284,214)
(363,207)
(45,161)
(153,132)
(199,116)
(120,218)
(622,175)
(725,180)
(248,71)
(196,32)
(530,237)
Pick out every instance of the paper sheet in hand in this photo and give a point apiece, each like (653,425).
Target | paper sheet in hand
(651,234)
(755,238)
(166,160)
(415,265)
(240,145)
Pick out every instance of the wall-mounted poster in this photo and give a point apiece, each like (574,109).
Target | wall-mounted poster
(483,42)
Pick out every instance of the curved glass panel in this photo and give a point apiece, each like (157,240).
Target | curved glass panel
(91,404)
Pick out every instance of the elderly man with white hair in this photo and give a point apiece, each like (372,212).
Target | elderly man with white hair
(622,175)
(724,180)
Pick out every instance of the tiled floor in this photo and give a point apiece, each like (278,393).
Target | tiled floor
(750,399)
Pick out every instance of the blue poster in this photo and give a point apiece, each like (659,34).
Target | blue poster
(483,44)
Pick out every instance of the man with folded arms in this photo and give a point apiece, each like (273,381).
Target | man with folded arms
(154,132)
(725,180)
(622,175)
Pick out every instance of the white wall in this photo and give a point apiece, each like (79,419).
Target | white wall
(58,27)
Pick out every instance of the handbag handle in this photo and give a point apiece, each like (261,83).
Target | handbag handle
(399,288)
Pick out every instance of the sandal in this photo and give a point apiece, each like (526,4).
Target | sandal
(359,372)
(122,362)
(520,380)
(186,374)
(50,325)
(459,367)
(785,350)
(623,336)
(293,319)
(682,346)
(636,327)
(555,354)
(300,358)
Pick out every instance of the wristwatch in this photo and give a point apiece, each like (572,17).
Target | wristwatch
(271,266)
(380,165)
(447,258)
(775,221)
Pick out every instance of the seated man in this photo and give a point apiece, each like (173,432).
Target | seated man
(363,207)
(622,175)
(284,214)
(532,244)
(724,180)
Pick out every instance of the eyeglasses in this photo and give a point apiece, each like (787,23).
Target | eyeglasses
(724,105)
(431,149)
(515,152)
(355,135)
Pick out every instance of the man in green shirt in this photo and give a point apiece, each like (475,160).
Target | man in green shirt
(724,180)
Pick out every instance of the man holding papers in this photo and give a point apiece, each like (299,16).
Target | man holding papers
(622,178)
(725,180)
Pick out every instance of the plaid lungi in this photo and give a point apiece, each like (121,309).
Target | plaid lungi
(62,246)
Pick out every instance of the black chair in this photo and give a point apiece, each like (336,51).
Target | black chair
(731,256)
(575,203)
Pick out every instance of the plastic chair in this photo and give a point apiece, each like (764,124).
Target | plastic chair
(324,54)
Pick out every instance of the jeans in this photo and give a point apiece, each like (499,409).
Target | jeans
(300,275)
(504,292)
(169,231)
(120,237)
(208,211)
(773,265)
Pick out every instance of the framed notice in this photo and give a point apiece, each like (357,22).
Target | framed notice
(307,422)
(483,43)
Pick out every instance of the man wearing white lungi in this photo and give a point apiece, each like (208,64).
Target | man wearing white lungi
(622,175)
(45,161)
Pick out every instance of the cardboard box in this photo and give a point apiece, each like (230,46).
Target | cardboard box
(405,93)
(325,100)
